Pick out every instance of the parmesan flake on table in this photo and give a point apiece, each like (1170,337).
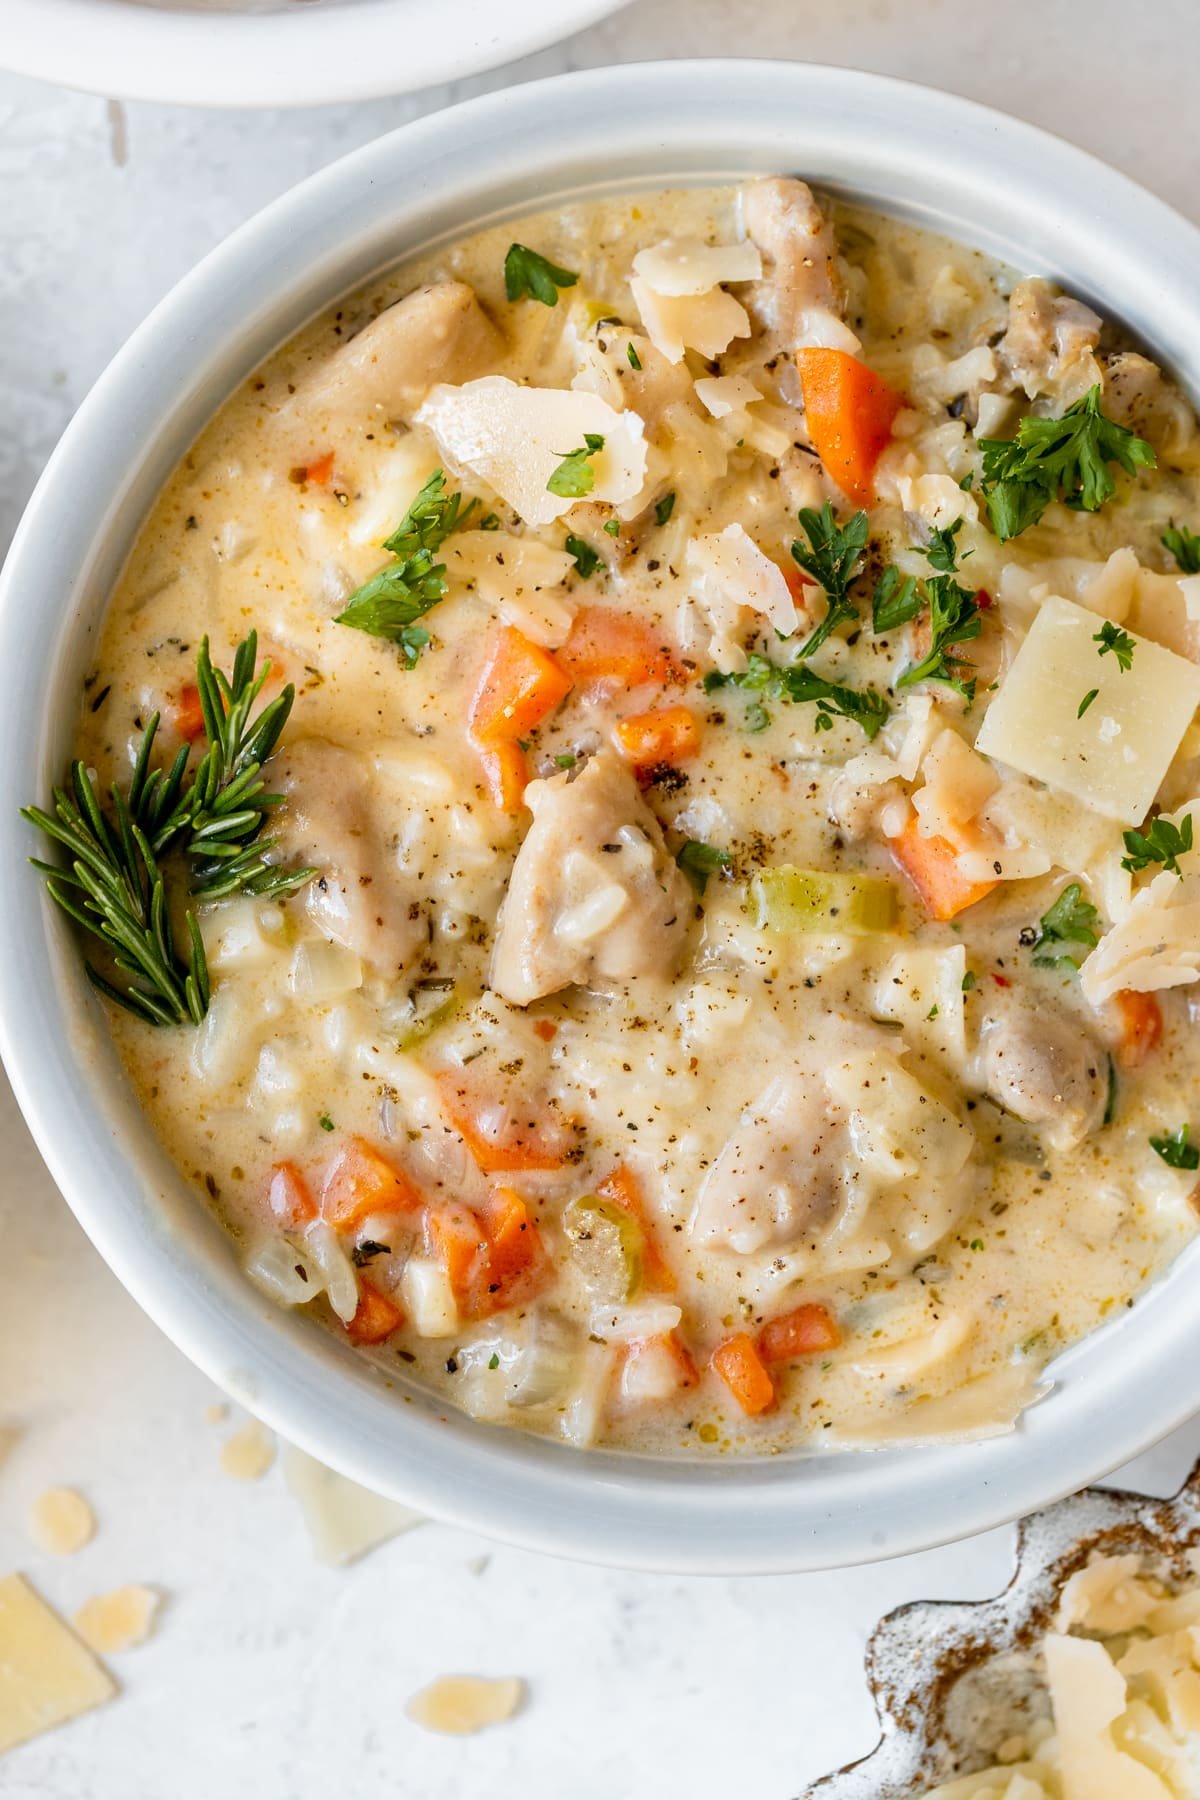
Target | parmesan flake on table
(120,1620)
(62,1521)
(47,1675)
(457,1705)
(514,438)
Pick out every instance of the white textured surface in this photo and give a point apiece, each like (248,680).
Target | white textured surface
(271,1675)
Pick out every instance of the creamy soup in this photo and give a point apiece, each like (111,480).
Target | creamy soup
(715,973)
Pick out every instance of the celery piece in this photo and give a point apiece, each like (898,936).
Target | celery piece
(792,899)
(606,1245)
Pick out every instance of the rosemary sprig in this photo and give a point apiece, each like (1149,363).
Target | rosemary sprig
(114,884)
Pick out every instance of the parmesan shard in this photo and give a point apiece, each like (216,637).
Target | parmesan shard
(514,438)
(1157,943)
(1088,1695)
(733,579)
(248,1454)
(62,1521)
(1114,758)
(344,1520)
(110,1623)
(723,394)
(457,1705)
(682,267)
(704,322)
(46,1675)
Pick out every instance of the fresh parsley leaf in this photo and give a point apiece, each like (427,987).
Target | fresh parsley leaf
(698,861)
(529,275)
(1072,921)
(389,605)
(566,759)
(1164,843)
(587,560)
(1086,701)
(1111,637)
(1184,546)
(897,599)
(325,1122)
(635,361)
(574,476)
(611,527)
(797,683)
(490,522)
(1176,1151)
(832,557)
(953,619)
(942,551)
(664,508)
(1063,459)
(494,1360)
(969,980)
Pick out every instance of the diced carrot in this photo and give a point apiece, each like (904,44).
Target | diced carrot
(1141,1027)
(290,1198)
(931,864)
(615,648)
(320,470)
(521,684)
(507,774)
(546,1029)
(850,412)
(799,585)
(740,1367)
(623,1189)
(801,1332)
(492,1262)
(517,1264)
(650,1370)
(500,1141)
(455,1238)
(359,1182)
(377,1317)
(188,715)
(668,734)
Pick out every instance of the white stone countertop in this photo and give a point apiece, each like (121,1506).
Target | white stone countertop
(271,1676)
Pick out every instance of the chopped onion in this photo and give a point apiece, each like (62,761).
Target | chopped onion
(323,971)
(283,1272)
(335,1268)
(648,1318)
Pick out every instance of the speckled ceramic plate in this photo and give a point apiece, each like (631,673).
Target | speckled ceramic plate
(952,1680)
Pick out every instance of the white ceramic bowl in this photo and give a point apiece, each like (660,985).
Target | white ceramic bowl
(937,160)
(276,52)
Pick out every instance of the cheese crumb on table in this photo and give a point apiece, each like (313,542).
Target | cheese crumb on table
(62,1521)
(344,1520)
(457,1705)
(46,1675)
(117,1621)
(248,1454)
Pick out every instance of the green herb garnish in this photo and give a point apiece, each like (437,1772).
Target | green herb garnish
(1086,701)
(699,861)
(832,557)
(611,528)
(1111,637)
(796,682)
(664,508)
(897,599)
(389,605)
(1071,921)
(1176,1151)
(1063,459)
(587,560)
(529,275)
(635,361)
(114,883)
(941,553)
(325,1122)
(953,619)
(574,476)
(969,980)
(1164,843)
(1184,546)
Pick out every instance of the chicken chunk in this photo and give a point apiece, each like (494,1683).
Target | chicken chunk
(1040,1064)
(436,333)
(1138,395)
(1048,347)
(594,894)
(777,1180)
(800,252)
(358,897)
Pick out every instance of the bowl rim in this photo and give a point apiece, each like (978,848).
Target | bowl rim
(971,172)
(293,56)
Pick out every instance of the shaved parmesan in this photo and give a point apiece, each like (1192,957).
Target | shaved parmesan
(344,1520)
(686,267)
(958,782)
(457,1705)
(62,1521)
(733,578)
(704,322)
(820,329)
(515,437)
(1114,758)
(1107,1596)
(46,1675)
(1157,943)
(110,1623)
(723,394)
(248,1454)
(1088,1695)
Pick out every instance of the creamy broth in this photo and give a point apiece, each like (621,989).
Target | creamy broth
(594,1114)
